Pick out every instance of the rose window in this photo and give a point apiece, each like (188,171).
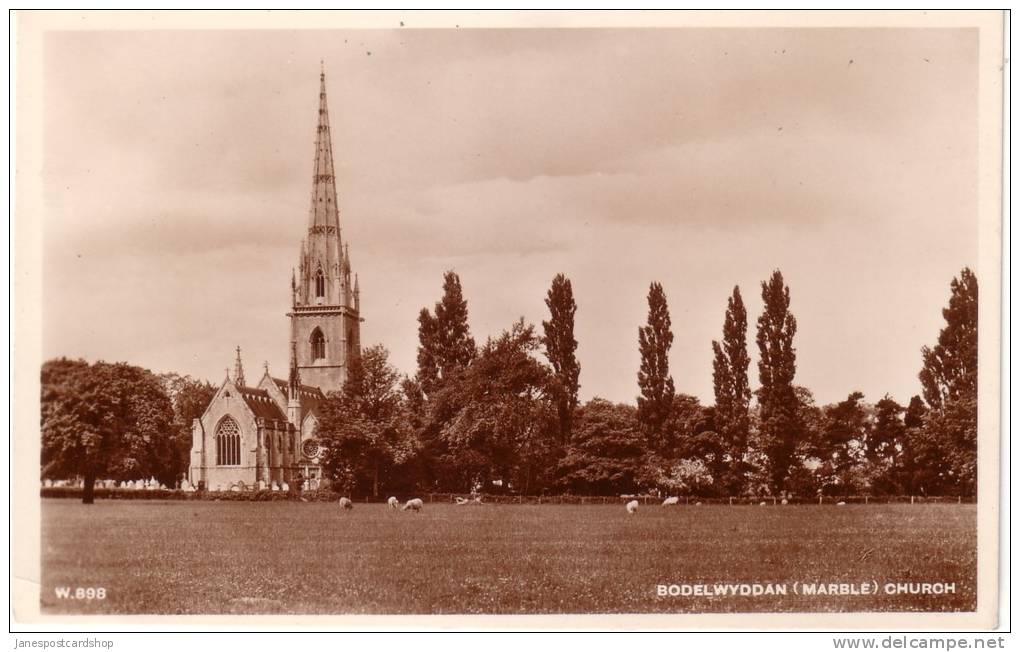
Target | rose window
(310,448)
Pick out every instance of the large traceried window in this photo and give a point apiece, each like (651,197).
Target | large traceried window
(320,284)
(228,443)
(318,345)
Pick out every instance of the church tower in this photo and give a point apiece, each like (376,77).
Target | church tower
(324,321)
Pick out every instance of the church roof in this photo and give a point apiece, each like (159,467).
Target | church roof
(259,401)
(310,396)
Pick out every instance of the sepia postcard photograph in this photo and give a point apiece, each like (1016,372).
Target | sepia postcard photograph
(547,319)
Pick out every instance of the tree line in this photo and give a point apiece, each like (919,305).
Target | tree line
(504,416)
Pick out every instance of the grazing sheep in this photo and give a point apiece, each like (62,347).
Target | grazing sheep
(761,504)
(784,501)
(672,500)
(462,501)
(345,503)
(840,504)
(632,506)
(393,502)
(415,505)
(697,503)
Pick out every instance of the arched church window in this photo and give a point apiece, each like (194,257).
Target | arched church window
(228,443)
(320,284)
(318,345)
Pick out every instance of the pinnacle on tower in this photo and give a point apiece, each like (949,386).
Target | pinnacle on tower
(295,375)
(238,370)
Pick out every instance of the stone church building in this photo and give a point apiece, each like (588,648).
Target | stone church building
(265,434)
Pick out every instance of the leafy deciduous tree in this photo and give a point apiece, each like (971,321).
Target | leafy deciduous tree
(606,451)
(190,398)
(363,426)
(496,420)
(111,420)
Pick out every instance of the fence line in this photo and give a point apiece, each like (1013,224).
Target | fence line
(327,495)
(696,500)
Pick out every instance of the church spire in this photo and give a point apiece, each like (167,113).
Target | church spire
(325,321)
(323,216)
(238,370)
(320,281)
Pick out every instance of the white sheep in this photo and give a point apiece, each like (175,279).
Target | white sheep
(393,502)
(632,506)
(345,503)
(840,504)
(761,504)
(462,501)
(784,501)
(415,505)
(697,504)
(672,500)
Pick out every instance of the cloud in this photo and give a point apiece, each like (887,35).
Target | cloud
(178,165)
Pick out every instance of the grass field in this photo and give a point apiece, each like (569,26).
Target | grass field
(168,557)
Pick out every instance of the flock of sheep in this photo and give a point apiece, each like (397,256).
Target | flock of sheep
(669,502)
(632,506)
(416,504)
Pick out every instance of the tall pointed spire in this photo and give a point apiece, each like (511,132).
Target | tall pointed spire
(321,256)
(323,215)
(238,370)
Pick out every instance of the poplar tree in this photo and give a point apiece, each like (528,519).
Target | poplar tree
(428,351)
(780,427)
(456,346)
(560,348)
(732,389)
(949,383)
(445,344)
(949,373)
(654,381)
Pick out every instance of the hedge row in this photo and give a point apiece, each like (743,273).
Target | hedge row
(320,495)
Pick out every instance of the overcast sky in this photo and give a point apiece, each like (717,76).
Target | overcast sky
(177,174)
